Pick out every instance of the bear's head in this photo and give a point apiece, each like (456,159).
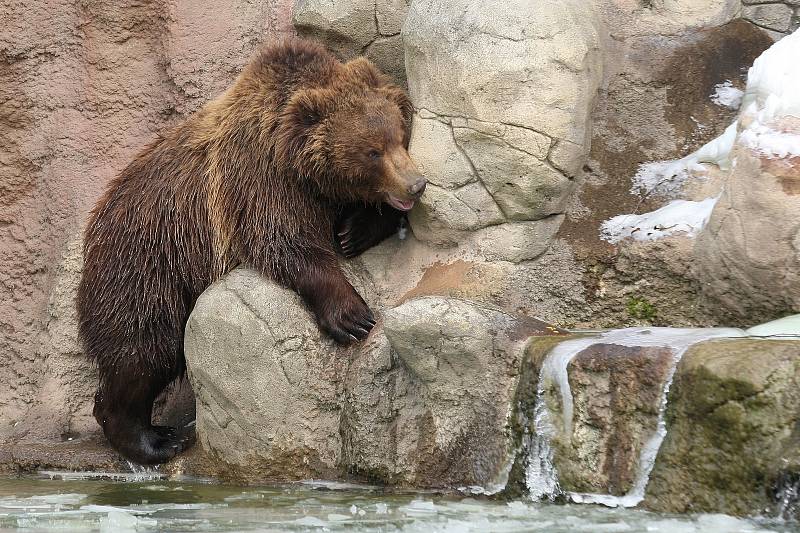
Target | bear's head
(349,138)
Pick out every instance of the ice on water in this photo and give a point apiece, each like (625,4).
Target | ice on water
(114,506)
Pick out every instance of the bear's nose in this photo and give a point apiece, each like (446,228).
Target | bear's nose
(418,187)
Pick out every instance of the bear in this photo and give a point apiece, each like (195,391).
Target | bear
(302,160)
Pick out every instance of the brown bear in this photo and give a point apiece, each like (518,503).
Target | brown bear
(301,159)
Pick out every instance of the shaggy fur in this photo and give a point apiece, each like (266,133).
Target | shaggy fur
(288,167)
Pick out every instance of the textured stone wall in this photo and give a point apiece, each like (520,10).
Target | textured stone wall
(84,85)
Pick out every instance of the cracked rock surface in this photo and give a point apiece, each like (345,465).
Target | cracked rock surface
(506,144)
(424,402)
(357,27)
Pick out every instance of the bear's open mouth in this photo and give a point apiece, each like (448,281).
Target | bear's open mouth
(402,205)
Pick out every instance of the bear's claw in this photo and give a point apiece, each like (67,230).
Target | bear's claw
(351,322)
(361,228)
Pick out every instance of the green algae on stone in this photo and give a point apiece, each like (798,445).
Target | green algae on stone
(733,413)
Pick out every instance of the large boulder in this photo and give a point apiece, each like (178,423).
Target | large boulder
(627,19)
(732,422)
(591,412)
(748,257)
(775,16)
(617,393)
(502,96)
(425,401)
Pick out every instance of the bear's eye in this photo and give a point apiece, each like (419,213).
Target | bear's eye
(374,154)
(310,118)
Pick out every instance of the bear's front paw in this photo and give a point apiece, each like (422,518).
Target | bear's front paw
(361,228)
(347,321)
(354,235)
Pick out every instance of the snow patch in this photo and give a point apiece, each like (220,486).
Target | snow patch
(678,216)
(771,94)
(666,177)
(726,95)
(773,80)
(770,143)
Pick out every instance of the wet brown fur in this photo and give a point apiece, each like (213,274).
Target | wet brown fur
(259,176)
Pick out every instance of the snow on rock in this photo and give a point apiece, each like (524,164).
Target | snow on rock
(669,176)
(771,94)
(679,216)
(769,142)
(773,80)
(726,95)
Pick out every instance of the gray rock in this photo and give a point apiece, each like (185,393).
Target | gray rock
(748,256)
(516,241)
(617,395)
(463,362)
(357,27)
(347,27)
(777,17)
(424,401)
(264,379)
(390,15)
(486,115)
(387,53)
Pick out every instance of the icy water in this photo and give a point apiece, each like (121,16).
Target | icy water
(37,504)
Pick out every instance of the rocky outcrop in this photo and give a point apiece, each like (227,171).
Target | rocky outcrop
(499,147)
(778,18)
(691,68)
(424,402)
(748,256)
(530,120)
(617,397)
(357,27)
(450,393)
(732,422)
(611,420)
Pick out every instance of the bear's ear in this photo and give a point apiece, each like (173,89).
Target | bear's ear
(362,69)
(399,97)
(309,107)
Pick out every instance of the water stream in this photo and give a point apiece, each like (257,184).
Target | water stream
(91,502)
(541,475)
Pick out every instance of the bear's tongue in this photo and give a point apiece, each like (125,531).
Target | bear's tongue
(402,205)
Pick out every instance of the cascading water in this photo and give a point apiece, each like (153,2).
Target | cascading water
(541,475)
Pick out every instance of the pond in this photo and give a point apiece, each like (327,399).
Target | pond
(141,503)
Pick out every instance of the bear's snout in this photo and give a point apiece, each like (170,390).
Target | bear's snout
(409,180)
(418,187)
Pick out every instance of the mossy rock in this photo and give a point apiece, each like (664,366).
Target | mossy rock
(732,422)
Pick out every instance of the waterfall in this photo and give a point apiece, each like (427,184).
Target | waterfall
(541,475)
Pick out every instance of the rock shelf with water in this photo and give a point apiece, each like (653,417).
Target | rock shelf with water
(456,395)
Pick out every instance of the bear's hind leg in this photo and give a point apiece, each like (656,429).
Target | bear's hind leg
(124,407)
